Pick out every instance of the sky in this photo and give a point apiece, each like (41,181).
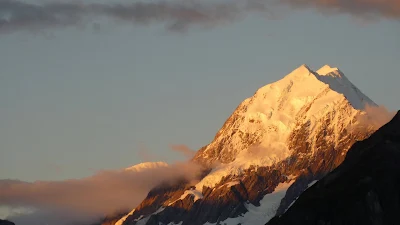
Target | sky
(78,95)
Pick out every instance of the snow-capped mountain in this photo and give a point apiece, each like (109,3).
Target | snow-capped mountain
(288,134)
(269,117)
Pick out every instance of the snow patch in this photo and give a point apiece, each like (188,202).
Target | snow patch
(267,209)
(145,166)
(159,210)
(291,177)
(312,183)
(291,204)
(142,221)
(172,223)
(327,70)
(122,220)
(197,195)
(232,183)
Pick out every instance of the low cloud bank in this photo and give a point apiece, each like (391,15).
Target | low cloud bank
(85,199)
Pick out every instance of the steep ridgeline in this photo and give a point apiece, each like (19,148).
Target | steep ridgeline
(364,189)
(288,134)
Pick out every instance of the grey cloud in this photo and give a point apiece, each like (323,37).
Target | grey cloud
(176,15)
(17,15)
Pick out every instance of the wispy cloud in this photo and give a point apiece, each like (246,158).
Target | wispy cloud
(374,117)
(145,154)
(90,197)
(176,15)
(184,150)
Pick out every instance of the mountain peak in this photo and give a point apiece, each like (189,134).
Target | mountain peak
(273,112)
(305,66)
(301,71)
(145,166)
(311,82)
(327,69)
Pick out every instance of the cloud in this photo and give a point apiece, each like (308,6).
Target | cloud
(177,15)
(362,8)
(183,149)
(377,116)
(53,216)
(89,197)
(373,118)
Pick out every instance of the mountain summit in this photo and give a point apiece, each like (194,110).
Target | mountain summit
(287,135)
(269,117)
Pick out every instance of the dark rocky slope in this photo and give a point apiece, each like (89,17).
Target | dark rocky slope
(6,222)
(364,189)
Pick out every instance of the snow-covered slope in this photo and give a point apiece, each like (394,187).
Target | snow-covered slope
(266,210)
(292,131)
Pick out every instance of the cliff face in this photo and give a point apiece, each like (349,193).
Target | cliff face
(364,189)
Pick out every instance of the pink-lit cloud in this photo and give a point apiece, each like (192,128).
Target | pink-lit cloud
(101,194)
